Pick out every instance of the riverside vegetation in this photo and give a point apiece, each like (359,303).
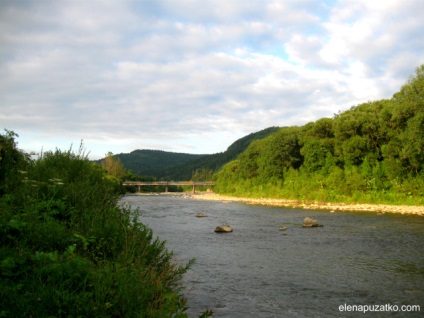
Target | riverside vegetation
(371,153)
(163,165)
(68,250)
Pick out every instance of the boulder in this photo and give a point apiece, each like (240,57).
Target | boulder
(201,215)
(308,222)
(224,228)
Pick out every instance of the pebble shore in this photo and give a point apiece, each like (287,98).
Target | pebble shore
(376,208)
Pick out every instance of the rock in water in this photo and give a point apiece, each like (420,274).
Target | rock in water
(283,228)
(308,222)
(224,228)
(201,215)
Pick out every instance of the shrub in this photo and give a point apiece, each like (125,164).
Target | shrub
(67,250)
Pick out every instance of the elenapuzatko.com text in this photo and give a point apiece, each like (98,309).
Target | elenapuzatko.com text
(380,308)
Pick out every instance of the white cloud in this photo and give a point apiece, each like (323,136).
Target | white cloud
(193,76)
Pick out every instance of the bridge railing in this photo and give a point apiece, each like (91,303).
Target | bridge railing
(197,183)
(139,184)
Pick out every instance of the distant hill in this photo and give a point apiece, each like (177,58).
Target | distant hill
(215,161)
(154,163)
(180,166)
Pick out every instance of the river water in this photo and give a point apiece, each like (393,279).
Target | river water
(259,271)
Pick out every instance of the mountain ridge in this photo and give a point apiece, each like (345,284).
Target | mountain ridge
(166,165)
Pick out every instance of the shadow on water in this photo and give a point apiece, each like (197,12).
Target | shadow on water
(259,271)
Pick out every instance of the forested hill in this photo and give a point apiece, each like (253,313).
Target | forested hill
(373,152)
(206,165)
(165,165)
(154,163)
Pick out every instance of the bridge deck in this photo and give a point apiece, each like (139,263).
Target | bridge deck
(168,183)
(180,183)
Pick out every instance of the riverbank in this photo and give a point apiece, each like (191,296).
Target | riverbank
(68,250)
(375,208)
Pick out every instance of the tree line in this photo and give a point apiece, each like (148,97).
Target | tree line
(163,165)
(373,152)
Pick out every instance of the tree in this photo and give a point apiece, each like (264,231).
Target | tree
(11,161)
(203,174)
(113,166)
(315,153)
(362,131)
(317,141)
(249,159)
(410,99)
(281,151)
(408,116)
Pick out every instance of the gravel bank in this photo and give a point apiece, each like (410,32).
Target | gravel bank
(376,208)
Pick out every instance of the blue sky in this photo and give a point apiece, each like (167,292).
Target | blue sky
(194,76)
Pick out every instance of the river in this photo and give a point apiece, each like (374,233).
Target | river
(259,271)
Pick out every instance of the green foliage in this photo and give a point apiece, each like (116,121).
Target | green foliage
(204,174)
(113,166)
(156,163)
(215,161)
(162,165)
(373,152)
(12,161)
(281,153)
(315,154)
(68,250)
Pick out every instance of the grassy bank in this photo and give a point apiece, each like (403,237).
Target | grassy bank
(68,250)
(347,186)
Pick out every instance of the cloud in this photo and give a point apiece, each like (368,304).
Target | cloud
(193,76)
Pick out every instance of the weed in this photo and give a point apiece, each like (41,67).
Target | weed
(67,250)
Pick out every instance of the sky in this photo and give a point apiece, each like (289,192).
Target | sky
(194,76)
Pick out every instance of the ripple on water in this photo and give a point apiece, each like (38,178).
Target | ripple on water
(356,258)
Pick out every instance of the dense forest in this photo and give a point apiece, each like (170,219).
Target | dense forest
(373,152)
(211,163)
(154,163)
(163,165)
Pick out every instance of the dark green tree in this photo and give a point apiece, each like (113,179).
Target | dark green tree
(12,162)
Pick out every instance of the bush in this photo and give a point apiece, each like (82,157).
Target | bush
(67,250)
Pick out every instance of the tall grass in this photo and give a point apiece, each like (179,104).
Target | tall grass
(68,250)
